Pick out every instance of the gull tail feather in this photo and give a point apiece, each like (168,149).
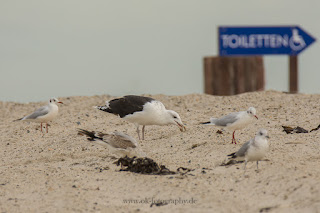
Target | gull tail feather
(232,155)
(208,122)
(211,122)
(104,108)
(91,135)
(18,119)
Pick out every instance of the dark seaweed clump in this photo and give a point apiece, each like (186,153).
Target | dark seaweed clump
(143,166)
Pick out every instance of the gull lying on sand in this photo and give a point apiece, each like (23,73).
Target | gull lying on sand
(119,143)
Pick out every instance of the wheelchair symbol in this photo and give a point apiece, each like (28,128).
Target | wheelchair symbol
(296,41)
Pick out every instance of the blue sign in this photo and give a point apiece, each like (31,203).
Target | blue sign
(289,40)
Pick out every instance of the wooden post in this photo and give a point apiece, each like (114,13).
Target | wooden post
(293,74)
(233,75)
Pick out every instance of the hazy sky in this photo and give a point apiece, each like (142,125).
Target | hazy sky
(74,47)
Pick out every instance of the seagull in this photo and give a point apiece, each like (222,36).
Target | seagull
(44,114)
(142,111)
(119,143)
(234,121)
(253,150)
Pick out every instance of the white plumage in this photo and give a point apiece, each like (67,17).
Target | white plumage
(235,121)
(142,111)
(44,114)
(253,150)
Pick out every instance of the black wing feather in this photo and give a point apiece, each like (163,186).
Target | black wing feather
(127,105)
(232,155)
(91,135)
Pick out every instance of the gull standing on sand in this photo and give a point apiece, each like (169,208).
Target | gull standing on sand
(253,150)
(44,114)
(234,121)
(119,143)
(142,111)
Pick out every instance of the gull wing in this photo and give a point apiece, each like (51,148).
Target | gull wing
(226,120)
(119,140)
(38,113)
(244,149)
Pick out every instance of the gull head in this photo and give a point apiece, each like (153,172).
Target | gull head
(174,118)
(262,133)
(252,112)
(54,101)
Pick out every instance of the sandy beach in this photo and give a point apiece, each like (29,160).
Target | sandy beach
(62,171)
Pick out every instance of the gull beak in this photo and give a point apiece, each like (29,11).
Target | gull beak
(256,117)
(181,127)
(60,102)
(267,136)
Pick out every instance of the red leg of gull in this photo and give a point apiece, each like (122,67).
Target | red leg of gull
(143,132)
(233,139)
(41,126)
(47,127)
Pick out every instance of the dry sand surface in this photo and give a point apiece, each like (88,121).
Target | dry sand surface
(62,171)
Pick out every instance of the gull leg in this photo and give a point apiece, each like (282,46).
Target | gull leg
(143,132)
(138,132)
(245,166)
(257,165)
(41,126)
(47,127)
(233,138)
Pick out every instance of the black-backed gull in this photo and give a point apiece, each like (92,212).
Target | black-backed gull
(143,111)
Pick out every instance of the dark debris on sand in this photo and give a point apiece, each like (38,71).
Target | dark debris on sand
(146,166)
(160,203)
(219,132)
(298,129)
(315,129)
(291,130)
(230,162)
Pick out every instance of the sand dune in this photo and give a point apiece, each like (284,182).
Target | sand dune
(61,171)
